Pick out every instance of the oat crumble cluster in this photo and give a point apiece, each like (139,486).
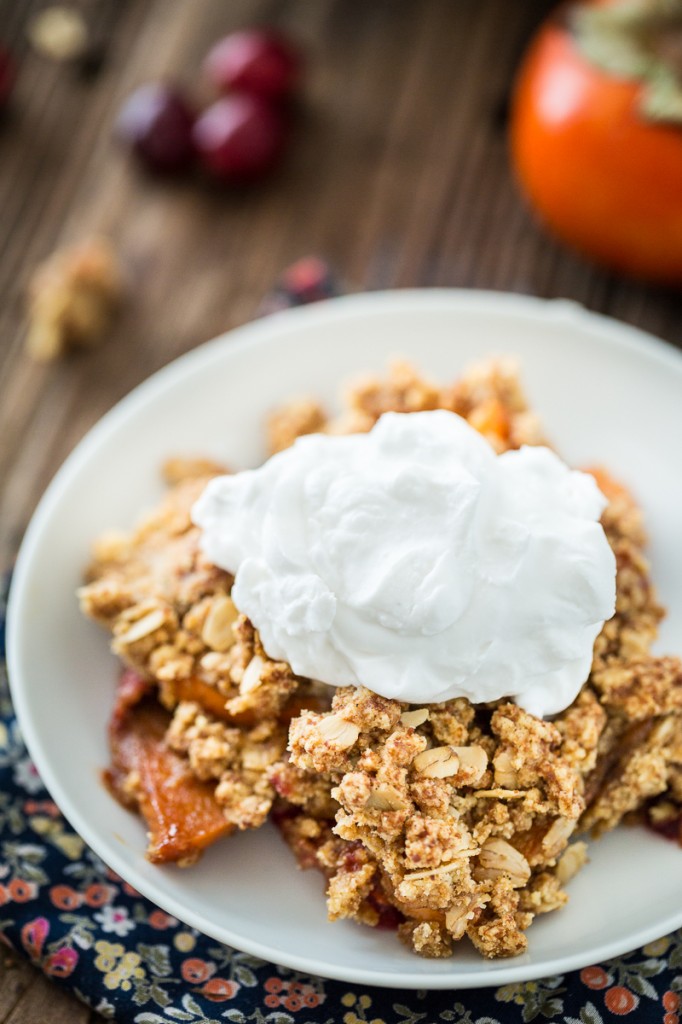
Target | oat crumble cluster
(72,298)
(443,821)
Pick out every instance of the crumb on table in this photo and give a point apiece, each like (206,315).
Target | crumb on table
(72,297)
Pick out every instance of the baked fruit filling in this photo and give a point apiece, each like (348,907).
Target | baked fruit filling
(442,820)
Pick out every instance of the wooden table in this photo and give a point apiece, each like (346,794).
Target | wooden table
(398,175)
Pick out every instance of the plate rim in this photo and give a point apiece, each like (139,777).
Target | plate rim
(246,336)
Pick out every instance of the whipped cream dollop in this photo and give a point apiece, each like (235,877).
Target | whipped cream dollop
(415,561)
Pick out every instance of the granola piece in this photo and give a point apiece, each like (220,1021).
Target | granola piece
(366,709)
(431,796)
(210,745)
(452,720)
(350,421)
(237,759)
(225,669)
(430,842)
(180,468)
(169,520)
(354,887)
(428,938)
(106,598)
(311,792)
(264,689)
(170,666)
(246,799)
(635,757)
(489,396)
(581,727)
(141,628)
(351,884)
(160,559)
(622,518)
(544,894)
(532,750)
(629,634)
(353,876)
(72,298)
(403,391)
(320,750)
(325,743)
(638,767)
(642,689)
(305,836)
(293,420)
(498,931)
(433,889)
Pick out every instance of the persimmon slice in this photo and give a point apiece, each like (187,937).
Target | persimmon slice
(181,812)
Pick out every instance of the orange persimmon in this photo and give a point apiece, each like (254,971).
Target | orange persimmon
(597,146)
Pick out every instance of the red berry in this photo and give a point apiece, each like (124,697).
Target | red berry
(256,61)
(157,122)
(8,74)
(240,137)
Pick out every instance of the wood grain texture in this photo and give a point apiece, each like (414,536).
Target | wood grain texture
(26,997)
(398,175)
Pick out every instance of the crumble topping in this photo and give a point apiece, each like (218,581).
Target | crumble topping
(488,395)
(72,298)
(454,843)
(446,821)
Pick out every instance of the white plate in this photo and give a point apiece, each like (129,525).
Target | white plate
(607,393)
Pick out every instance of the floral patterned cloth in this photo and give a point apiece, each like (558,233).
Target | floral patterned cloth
(91,932)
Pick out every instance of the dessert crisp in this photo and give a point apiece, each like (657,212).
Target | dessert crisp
(445,820)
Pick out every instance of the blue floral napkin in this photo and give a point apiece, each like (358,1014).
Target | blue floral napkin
(94,934)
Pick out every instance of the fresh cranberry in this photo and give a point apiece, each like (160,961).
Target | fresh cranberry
(671,828)
(8,73)
(240,138)
(256,61)
(157,122)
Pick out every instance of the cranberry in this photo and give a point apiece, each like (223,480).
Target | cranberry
(157,122)
(239,138)
(8,73)
(256,61)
